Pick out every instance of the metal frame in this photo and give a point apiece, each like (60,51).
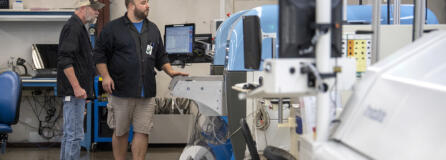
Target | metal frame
(376,26)
(420,18)
(396,11)
(96,138)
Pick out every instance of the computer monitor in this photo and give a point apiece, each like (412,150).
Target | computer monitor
(179,39)
(297,28)
(45,56)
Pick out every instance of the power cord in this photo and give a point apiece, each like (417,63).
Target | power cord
(262,118)
(47,126)
(21,62)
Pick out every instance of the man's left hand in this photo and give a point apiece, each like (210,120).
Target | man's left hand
(176,73)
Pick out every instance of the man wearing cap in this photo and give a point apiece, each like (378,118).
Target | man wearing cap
(75,74)
(126,53)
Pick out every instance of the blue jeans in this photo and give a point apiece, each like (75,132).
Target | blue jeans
(73,128)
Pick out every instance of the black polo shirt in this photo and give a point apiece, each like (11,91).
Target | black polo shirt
(131,56)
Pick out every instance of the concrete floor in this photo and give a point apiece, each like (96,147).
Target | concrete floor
(163,153)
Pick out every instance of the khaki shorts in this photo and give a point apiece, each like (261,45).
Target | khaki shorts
(135,111)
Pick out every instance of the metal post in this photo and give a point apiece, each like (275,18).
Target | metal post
(344,7)
(222,9)
(323,49)
(273,43)
(396,11)
(388,12)
(418,24)
(376,25)
(280,111)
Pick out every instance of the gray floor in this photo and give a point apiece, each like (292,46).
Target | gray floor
(53,154)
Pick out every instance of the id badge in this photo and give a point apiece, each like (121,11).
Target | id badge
(149,49)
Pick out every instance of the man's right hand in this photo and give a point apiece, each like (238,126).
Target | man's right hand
(80,93)
(108,84)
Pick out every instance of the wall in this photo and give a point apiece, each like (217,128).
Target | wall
(201,12)
(17,38)
(162,12)
(240,5)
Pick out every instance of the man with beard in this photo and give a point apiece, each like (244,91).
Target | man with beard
(126,53)
(75,74)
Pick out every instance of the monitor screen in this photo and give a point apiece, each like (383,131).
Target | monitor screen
(47,55)
(179,39)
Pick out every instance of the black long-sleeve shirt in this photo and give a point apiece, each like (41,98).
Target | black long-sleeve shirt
(75,51)
(131,56)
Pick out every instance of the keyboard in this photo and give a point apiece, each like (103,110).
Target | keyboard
(45,73)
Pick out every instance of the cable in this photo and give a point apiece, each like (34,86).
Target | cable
(238,129)
(215,135)
(262,119)
(47,127)
(264,136)
(24,67)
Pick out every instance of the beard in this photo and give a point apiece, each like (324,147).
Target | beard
(141,14)
(91,19)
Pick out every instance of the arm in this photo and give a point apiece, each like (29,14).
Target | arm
(68,47)
(79,92)
(162,61)
(101,53)
(168,69)
(107,82)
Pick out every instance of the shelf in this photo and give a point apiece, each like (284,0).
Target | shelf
(35,16)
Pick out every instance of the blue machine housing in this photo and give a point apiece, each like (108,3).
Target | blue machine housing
(222,37)
(230,33)
(233,59)
(363,14)
(269,22)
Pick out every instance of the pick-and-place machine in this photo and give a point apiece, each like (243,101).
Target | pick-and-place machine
(280,71)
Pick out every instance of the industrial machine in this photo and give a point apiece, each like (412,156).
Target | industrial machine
(276,59)
(232,43)
(395,110)
(381,120)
